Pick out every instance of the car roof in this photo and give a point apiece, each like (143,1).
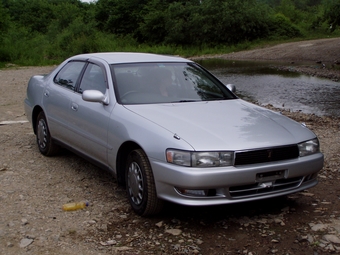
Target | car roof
(131,57)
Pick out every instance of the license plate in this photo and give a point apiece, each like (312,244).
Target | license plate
(269,176)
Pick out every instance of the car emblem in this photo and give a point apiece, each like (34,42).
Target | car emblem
(269,154)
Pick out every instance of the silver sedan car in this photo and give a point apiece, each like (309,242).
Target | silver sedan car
(169,130)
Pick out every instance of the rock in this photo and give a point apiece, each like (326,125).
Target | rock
(103,227)
(174,231)
(279,221)
(336,225)
(332,238)
(198,241)
(56,238)
(262,221)
(310,239)
(108,243)
(303,239)
(25,242)
(122,248)
(24,221)
(330,247)
(322,245)
(159,224)
(307,194)
(319,227)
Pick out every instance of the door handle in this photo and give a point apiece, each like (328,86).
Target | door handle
(46,93)
(74,107)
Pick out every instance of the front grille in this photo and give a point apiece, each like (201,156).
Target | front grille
(266,155)
(258,189)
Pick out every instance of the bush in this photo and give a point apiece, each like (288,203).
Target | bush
(282,27)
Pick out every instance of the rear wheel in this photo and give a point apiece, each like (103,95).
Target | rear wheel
(140,185)
(44,139)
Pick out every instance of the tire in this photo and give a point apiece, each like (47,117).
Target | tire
(44,140)
(140,185)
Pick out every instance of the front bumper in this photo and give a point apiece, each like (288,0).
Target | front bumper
(235,184)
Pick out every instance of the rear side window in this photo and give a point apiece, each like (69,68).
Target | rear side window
(69,74)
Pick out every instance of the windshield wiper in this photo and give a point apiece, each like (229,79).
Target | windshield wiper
(185,101)
(216,99)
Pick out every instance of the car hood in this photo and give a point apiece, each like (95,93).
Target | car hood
(224,125)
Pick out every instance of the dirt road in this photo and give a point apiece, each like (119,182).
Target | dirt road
(324,50)
(33,189)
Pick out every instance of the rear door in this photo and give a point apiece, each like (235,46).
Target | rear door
(57,100)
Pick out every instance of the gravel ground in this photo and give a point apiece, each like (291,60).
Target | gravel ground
(34,188)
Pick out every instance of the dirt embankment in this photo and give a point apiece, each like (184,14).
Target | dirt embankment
(315,57)
(33,188)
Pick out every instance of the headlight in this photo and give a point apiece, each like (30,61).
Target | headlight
(309,147)
(200,159)
(176,157)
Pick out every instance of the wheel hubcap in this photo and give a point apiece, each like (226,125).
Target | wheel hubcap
(42,134)
(135,183)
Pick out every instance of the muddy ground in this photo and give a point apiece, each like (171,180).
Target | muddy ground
(33,189)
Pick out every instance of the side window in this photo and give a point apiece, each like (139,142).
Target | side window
(69,74)
(93,78)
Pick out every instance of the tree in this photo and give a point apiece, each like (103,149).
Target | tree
(4,27)
(4,20)
(152,22)
(117,16)
(332,14)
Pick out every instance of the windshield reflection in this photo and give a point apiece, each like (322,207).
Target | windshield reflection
(149,83)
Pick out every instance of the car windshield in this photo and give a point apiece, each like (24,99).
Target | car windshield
(150,83)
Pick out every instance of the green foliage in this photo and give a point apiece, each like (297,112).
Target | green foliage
(20,44)
(207,22)
(282,27)
(288,9)
(4,20)
(179,28)
(245,21)
(117,16)
(332,14)
(34,14)
(151,27)
(77,38)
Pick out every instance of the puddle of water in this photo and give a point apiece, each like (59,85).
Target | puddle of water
(258,82)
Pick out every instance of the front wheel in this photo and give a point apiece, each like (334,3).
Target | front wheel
(140,185)
(44,139)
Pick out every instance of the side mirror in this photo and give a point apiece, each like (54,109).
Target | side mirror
(95,96)
(231,87)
